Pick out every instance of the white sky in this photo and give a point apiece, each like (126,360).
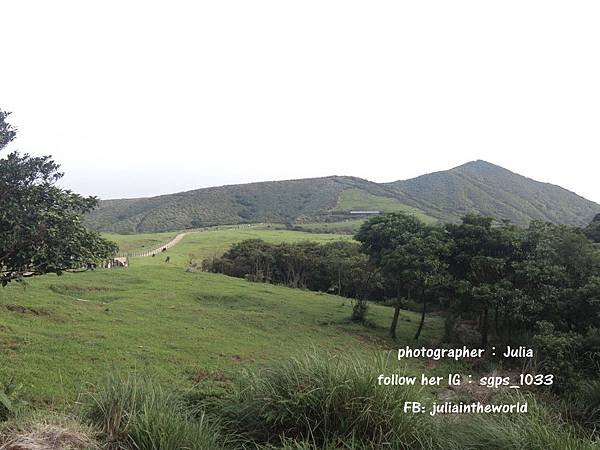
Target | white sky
(138,98)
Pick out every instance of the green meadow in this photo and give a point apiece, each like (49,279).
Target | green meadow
(59,335)
(356,199)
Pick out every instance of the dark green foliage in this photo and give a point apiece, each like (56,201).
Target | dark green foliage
(7,131)
(538,286)
(481,264)
(592,231)
(477,187)
(512,282)
(410,255)
(336,267)
(40,224)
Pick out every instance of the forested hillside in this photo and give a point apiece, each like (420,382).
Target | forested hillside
(475,187)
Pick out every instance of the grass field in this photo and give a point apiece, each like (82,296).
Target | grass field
(58,334)
(135,242)
(344,226)
(356,199)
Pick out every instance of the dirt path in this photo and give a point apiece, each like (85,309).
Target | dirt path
(159,249)
(178,238)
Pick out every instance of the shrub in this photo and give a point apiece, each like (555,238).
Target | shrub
(359,310)
(556,353)
(142,415)
(322,401)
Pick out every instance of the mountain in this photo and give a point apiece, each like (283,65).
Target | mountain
(311,199)
(477,186)
(491,190)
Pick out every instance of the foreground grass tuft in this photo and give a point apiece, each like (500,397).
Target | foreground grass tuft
(47,432)
(139,414)
(538,429)
(322,402)
(311,403)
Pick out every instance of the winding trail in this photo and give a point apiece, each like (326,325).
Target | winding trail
(179,237)
(159,249)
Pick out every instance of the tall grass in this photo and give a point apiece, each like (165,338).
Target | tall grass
(322,402)
(139,414)
(585,405)
(311,403)
(538,429)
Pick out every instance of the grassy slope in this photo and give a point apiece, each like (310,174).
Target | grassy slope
(275,201)
(134,242)
(355,199)
(350,226)
(160,320)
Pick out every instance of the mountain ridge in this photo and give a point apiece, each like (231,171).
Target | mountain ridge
(474,187)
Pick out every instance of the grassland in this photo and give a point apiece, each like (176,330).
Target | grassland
(356,199)
(143,241)
(59,334)
(349,226)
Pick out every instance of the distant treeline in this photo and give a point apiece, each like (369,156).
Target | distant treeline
(337,267)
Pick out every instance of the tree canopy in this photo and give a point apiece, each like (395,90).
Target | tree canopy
(40,223)
(410,255)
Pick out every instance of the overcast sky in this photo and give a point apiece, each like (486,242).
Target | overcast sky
(144,98)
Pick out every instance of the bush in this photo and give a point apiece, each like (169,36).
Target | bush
(556,354)
(142,415)
(359,310)
(323,401)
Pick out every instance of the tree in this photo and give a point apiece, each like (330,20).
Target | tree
(592,231)
(410,255)
(40,224)
(559,276)
(481,262)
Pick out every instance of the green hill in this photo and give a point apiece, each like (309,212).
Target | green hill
(312,199)
(491,190)
(477,186)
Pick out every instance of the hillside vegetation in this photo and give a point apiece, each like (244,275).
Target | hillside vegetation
(276,201)
(486,189)
(206,361)
(57,334)
(476,187)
